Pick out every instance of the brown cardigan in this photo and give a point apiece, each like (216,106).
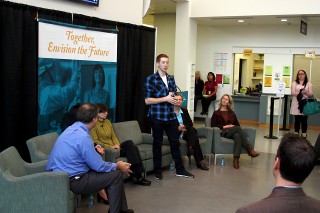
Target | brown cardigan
(218,121)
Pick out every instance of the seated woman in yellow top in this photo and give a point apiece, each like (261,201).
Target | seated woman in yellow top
(103,133)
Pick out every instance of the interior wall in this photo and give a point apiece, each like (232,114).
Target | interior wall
(270,38)
(216,8)
(166,33)
(119,10)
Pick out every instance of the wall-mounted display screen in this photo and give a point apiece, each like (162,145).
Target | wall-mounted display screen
(90,2)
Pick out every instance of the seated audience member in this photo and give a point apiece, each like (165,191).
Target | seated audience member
(189,133)
(210,92)
(74,153)
(294,162)
(103,133)
(227,121)
(70,118)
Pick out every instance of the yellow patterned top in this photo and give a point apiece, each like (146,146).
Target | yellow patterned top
(103,133)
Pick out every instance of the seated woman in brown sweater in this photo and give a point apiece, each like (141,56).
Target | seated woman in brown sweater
(227,121)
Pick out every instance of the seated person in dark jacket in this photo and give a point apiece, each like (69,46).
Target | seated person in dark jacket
(227,121)
(189,133)
(293,163)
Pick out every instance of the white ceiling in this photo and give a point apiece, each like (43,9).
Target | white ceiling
(169,6)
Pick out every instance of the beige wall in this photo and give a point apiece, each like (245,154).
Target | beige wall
(232,8)
(166,33)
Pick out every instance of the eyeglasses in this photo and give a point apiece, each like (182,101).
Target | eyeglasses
(103,112)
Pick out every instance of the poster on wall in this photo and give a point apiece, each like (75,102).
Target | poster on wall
(219,62)
(278,68)
(75,65)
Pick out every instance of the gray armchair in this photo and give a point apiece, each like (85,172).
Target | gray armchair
(41,146)
(130,130)
(27,187)
(222,145)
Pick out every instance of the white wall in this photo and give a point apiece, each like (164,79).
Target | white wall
(127,11)
(166,33)
(216,8)
(269,39)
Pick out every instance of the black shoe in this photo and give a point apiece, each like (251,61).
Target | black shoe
(127,211)
(184,173)
(201,113)
(101,200)
(158,176)
(141,181)
(203,166)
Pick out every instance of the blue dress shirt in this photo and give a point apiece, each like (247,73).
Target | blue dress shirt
(74,153)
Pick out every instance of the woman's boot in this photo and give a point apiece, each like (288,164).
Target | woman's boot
(236,162)
(251,152)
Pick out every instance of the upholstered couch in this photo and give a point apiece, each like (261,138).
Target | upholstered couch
(130,130)
(27,187)
(39,148)
(222,145)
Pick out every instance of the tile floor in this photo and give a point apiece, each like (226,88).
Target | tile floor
(221,189)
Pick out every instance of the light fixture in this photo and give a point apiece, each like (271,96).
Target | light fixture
(284,20)
(240,20)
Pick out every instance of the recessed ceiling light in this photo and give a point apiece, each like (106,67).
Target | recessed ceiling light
(240,21)
(284,20)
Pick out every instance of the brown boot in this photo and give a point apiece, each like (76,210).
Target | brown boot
(236,162)
(251,152)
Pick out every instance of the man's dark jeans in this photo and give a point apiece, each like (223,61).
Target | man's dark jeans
(171,129)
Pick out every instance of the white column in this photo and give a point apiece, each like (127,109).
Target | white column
(185,51)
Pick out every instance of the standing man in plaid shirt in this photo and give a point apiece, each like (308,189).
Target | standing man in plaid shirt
(159,94)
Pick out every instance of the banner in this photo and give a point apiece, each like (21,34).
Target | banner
(76,65)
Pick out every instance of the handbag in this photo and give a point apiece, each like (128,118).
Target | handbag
(311,106)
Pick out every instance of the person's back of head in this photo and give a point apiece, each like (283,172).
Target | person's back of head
(297,158)
(87,112)
(70,117)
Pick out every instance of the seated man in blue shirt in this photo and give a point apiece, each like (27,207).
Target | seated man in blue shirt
(74,153)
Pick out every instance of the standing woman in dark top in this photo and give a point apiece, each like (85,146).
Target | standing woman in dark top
(210,92)
(227,121)
(198,85)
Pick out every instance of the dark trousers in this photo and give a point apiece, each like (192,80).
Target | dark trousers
(206,103)
(196,99)
(300,121)
(193,141)
(171,129)
(92,181)
(240,140)
(130,150)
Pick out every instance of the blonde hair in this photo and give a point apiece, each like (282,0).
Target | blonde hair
(199,74)
(230,105)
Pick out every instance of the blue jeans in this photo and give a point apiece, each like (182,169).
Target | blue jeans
(171,129)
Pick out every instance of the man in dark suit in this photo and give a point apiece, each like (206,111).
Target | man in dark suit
(294,162)
(188,132)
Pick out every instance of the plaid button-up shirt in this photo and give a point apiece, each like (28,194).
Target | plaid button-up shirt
(156,88)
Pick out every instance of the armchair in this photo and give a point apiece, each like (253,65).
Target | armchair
(130,130)
(27,187)
(222,145)
(40,146)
